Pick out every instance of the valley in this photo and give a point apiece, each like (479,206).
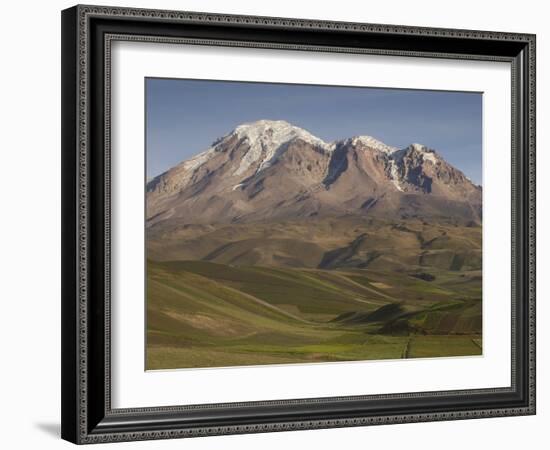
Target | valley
(328,290)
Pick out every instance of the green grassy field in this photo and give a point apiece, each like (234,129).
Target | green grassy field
(210,314)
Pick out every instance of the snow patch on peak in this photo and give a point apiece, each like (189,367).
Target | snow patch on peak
(418,147)
(427,154)
(263,123)
(373,143)
(198,160)
(237,186)
(265,137)
(394,175)
(430,156)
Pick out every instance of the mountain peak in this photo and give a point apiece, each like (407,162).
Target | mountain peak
(418,147)
(427,153)
(263,124)
(274,131)
(371,142)
(267,138)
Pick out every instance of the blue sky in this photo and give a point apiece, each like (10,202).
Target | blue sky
(184,117)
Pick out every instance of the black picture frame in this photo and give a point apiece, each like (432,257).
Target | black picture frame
(87,416)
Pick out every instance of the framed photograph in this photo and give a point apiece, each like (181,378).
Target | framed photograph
(279,224)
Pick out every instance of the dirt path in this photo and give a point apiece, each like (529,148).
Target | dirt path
(268,305)
(347,291)
(407,349)
(477,344)
(372,291)
(244,294)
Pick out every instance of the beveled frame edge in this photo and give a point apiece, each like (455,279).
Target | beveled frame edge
(76,219)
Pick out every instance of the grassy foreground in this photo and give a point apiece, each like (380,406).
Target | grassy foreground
(206,314)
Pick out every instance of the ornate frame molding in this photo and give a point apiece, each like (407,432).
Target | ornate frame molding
(80,423)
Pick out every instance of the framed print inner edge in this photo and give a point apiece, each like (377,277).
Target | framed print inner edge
(98,423)
(122,345)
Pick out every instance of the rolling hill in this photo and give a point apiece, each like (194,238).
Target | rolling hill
(202,314)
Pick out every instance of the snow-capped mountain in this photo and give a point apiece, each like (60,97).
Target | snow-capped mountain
(273,170)
(267,140)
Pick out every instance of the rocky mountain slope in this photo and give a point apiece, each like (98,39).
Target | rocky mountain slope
(272,171)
